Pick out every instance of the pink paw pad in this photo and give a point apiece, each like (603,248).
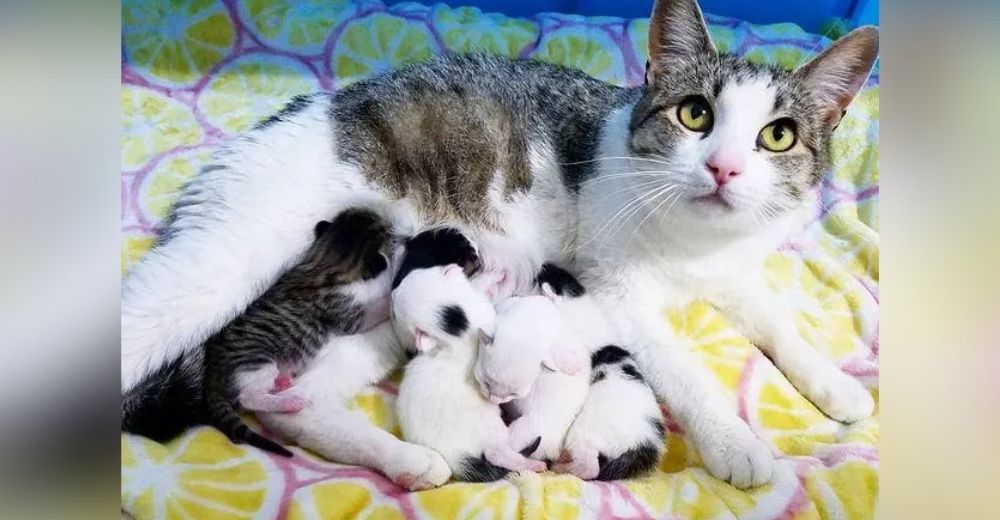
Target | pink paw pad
(282,382)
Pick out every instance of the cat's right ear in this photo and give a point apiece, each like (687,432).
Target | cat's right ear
(677,33)
(453,270)
(836,75)
(322,227)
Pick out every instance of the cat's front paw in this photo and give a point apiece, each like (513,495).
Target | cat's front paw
(734,454)
(416,468)
(842,398)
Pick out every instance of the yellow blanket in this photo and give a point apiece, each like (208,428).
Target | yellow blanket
(196,74)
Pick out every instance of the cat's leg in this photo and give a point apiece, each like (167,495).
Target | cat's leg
(501,454)
(728,447)
(754,309)
(256,387)
(524,431)
(342,369)
(235,227)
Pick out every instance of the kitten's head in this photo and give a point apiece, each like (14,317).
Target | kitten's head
(737,143)
(351,248)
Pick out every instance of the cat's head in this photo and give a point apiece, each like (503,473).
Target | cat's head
(352,248)
(735,144)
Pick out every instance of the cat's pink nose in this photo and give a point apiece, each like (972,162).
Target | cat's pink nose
(724,166)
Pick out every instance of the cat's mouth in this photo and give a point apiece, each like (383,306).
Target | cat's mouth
(714,200)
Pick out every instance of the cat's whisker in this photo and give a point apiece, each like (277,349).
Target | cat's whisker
(621,175)
(625,209)
(661,160)
(666,191)
(671,197)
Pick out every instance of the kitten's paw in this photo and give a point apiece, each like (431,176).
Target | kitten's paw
(416,468)
(842,398)
(736,455)
(580,466)
(285,402)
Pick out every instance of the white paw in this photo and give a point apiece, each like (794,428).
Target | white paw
(734,454)
(842,398)
(415,467)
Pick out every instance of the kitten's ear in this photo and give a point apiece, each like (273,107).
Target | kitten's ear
(423,341)
(549,292)
(322,227)
(677,31)
(453,270)
(835,76)
(567,359)
(485,339)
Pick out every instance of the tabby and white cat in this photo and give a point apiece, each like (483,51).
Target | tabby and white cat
(532,161)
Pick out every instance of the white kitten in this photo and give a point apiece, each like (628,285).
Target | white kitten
(618,433)
(438,404)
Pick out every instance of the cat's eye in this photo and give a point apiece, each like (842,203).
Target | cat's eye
(695,114)
(778,136)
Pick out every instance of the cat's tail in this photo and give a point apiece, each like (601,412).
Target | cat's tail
(633,463)
(223,415)
(479,469)
(167,402)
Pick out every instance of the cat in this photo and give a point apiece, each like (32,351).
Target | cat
(539,365)
(619,431)
(340,287)
(536,163)
(449,321)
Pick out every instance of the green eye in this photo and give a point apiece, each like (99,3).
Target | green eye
(695,114)
(778,136)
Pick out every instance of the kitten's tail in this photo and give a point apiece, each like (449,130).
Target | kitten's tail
(224,416)
(167,402)
(478,469)
(633,463)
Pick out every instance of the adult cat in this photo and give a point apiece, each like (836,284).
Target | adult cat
(532,161)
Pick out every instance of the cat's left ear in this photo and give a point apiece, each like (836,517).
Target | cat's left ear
(677,33)
(835,76)
(423,341)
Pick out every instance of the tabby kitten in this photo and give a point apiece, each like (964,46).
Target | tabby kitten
(340,287)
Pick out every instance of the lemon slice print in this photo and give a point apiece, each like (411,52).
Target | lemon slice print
(592,51)
(153,124)
(702,328)
(638,34)
(335,500)
(175,42)
(467,29)
(199,475)
(161,186)
(493,500)
(828,314)
(252,88)
(379,42)
(848,491)
(134,245)
(301,26)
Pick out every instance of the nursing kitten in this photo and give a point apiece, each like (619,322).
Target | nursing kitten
(339,287)
(535,163)
(619,431)
(438,404)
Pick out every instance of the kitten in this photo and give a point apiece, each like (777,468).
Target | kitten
(438,404)
(619,431)
(338,288)
(535,163)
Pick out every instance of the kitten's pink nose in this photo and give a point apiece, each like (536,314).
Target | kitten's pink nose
(724,166)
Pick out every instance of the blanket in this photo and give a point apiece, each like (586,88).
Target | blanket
(197,72)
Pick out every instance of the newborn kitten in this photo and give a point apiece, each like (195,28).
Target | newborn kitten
(532,333)
(618,433)
(340,287)
(440,312)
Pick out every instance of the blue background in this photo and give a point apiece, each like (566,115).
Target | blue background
(808,14)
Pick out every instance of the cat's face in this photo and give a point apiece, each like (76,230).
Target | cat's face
(728,143)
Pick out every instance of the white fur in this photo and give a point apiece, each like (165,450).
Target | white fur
(532,334)
(614,418)
(438,404)
(345,366)
(419,298)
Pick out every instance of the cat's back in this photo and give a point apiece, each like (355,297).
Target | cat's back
(451,129)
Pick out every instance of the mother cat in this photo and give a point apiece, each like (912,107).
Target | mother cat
(657,194)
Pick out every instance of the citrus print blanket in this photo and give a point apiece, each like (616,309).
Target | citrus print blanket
(195,72)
